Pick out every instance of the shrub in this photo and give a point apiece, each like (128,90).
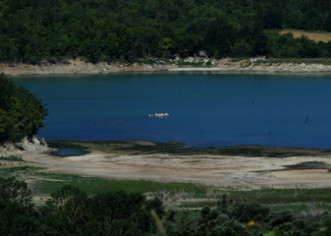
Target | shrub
(247,212)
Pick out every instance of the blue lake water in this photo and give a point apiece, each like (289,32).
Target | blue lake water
(205,109)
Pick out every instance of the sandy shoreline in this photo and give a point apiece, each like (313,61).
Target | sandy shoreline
(122,161)
(225,171)
(222,66)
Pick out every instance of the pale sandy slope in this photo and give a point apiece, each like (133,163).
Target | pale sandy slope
(226,65)
(225,171)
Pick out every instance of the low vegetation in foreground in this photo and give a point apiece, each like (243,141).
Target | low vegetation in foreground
(58,204)
(70,211)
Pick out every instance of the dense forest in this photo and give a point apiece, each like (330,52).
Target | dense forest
(69,211)
(36,31)
(21,113)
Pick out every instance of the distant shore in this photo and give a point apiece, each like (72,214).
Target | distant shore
(252,65)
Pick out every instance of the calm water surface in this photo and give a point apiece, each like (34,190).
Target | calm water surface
(205,109)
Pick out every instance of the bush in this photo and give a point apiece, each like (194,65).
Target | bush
(231,227)
(17,215)
(280,218)
(247,212)
(12,190)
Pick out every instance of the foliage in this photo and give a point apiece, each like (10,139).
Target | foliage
(12,158)
(69,211)
(17,219)
(12,190)
(17,216)
(21,168)
(247,212)
(101,30)
(21,113)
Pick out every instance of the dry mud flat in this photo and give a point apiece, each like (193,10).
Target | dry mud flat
(236,167)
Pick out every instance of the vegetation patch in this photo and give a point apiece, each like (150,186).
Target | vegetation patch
(94,185)
(15,169)
(192,64)
(148,61)
(272,61)
(276,196)
(70,211)
(12,158)
(49,182)
(316,36)
(309,165)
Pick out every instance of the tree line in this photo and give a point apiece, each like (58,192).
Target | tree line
(35,31)
(69,211)
(21,113)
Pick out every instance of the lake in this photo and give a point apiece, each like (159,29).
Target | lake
(206,109)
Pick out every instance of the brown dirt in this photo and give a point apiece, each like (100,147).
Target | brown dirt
(316,36)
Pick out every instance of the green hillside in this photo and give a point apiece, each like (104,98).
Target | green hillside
(36,31)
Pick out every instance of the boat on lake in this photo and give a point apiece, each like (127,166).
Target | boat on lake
(159,115)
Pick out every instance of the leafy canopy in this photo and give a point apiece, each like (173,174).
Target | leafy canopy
(21,113)
(102,30)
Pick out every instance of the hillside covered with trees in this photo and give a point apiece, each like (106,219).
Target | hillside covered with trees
(34,31)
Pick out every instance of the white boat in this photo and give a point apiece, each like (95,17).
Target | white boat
(159,115)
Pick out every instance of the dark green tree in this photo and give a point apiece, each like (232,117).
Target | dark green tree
(21,113)
(17,215)
(121,213)
(65,212)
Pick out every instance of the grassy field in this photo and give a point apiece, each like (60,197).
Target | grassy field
(316,36)
(92,185)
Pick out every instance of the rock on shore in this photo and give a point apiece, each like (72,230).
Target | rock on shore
(33,144)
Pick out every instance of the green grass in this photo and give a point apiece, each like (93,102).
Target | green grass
(12,158)
(280,196)
(93,185)
(147,61)
(15,169)
(296,207)
(270,61)
(323,61)
(313,207)
(201,204)
(193,64)
(295,199)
